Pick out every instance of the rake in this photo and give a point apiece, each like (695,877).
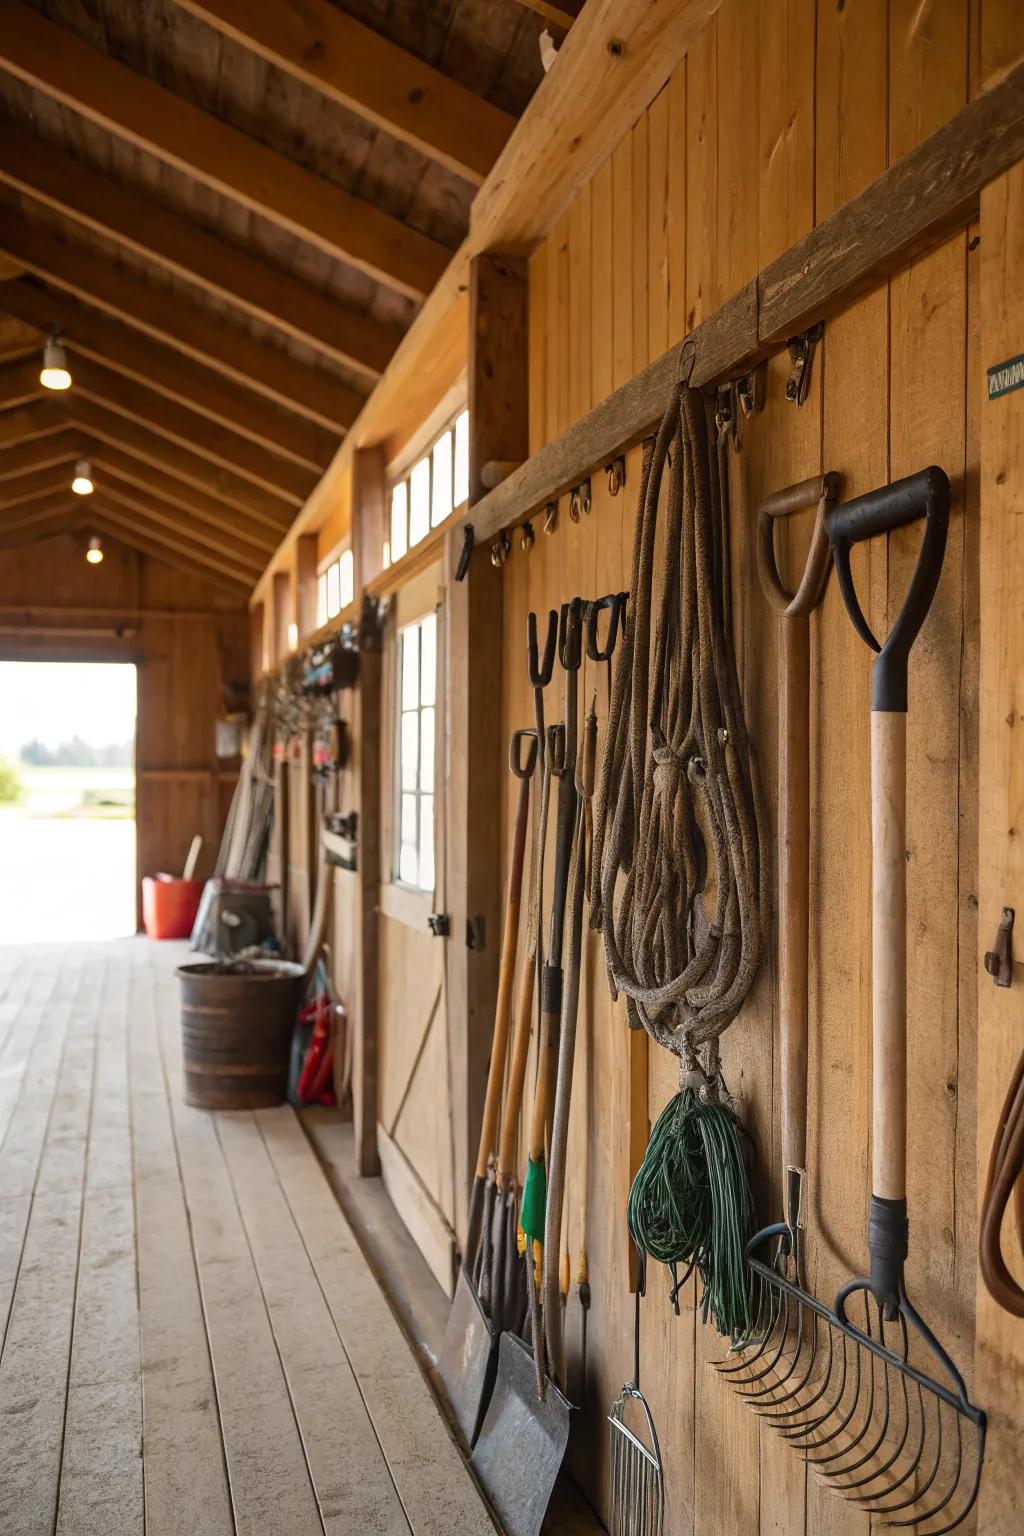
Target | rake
(899,1438)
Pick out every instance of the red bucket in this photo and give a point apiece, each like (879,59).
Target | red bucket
(169,906)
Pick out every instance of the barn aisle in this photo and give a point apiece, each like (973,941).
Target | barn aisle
(192,1339)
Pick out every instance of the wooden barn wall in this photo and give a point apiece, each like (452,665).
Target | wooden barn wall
(185,655)
(781,113)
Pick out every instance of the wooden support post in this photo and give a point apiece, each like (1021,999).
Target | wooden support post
(369,514)
(280,616)
(257,642)
(475,762)
(304,585)
(367,762)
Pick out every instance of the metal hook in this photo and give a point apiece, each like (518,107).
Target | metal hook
(616,472)
(551,517)
(526,536)
(501,549)
(801,353)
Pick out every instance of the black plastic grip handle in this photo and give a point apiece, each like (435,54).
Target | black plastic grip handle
(924,496)
(540,670)
(615,605)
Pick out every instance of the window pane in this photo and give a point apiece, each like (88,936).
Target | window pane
(399,521)
(426,869)
(441,498)
(428,674)
(408,863)
(333,591)
(427,750)
(461,487)
(419,501)
(410,667)
(321,600)
(346,577)
(410,749)
(409,819)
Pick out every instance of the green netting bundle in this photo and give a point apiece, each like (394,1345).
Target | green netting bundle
(691,1204)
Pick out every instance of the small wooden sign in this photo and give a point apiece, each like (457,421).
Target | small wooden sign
(1006,377)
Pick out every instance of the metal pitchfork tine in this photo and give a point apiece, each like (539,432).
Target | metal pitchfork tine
(898,1437)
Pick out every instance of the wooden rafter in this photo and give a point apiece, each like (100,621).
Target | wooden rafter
(118,469)
(164,514)
(54,60)
(19,381)
(143,224)
(134,538)
(558,15)
(173,320)
(32,484)
(353,65)
(38,452)
(56,498)
(164,457)
(278,477)
(28,421)
(96,335)
(131,521)
(47,526)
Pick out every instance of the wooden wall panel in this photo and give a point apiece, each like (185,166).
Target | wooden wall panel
(779,115)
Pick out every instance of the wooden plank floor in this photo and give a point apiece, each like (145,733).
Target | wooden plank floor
(191,1342)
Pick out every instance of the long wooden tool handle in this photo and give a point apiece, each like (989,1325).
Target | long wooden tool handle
(506,980)
(794,860)
(889,954)
(516,1074)
(544,1091)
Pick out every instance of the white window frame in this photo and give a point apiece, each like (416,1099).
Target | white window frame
(423,786)
(335,585)
(434,478)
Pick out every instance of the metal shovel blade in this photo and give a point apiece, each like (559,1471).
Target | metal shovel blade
(522,1441)
(469,1358)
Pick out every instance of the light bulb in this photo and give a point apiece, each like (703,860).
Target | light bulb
(293,636)
(94,554)
(55,373)
(82,483)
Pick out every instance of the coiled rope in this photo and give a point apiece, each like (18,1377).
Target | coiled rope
(679,887)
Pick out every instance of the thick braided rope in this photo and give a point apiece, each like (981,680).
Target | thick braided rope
(678,882)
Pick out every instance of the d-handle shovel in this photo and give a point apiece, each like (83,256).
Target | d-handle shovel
(467,1359)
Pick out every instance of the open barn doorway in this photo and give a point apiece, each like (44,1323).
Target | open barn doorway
(67,800)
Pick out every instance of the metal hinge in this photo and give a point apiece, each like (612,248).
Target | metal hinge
(999,959)
(476,933)
(440,924)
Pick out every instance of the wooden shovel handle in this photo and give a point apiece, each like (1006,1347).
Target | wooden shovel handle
(506,980)
(516,1075)
(544,1090)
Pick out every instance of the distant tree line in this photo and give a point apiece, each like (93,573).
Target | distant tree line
(77,753)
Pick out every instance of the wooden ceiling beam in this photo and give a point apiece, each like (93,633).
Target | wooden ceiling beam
(278,478)
(163,514)
(121,469)
(38,452)
(168,458)
(172,320)
(47,526)
(96,335)
(29,421)
(143,224)
(132,537)
(19,382)
(33,483)
(371,76)
(56,498)
(132,519)
(54,60)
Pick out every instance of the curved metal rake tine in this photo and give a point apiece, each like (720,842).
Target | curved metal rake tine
(766,1370)
(857,1435)
(765,1396)
(848,1489)
(856,1443)
(789,1430)
(913,1500)
(815,1445)
(774,1407)
(792,1432)
(762,1340)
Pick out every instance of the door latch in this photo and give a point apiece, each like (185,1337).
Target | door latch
(999,959)
(440,924)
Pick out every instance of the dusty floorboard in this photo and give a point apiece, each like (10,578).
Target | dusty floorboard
(192,1341)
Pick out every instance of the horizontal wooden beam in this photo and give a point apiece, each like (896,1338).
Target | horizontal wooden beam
(95,335)
(119,468)
(165,457)
(931,192)
(56,61)
(370,75)
(278,477)
(19,381)
(144,224)
(165,515)
(55,499)
(38,452)
(556,15)
(130,521)
(132,536)
(47,526)
(171,319)
(27,421)
(31,484)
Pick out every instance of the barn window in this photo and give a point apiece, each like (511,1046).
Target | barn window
(335,587)
(434,486)
(416,745)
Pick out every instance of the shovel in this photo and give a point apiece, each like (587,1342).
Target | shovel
(466,1361)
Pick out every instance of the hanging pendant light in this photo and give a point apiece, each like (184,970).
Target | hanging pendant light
(94,554)
(82,483)
(55,373)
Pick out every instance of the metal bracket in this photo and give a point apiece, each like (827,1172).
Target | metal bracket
(801,354)
(751,391)
(468,540)
(726,414)
(550,517)
(579,500)
(616,472)
(526,536)
(999,959)
(476,933)
(440,924)
(501,549)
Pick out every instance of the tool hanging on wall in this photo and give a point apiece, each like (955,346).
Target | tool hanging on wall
(760,1369)
(882,1430)
(1005,1178)
(637,1480)
(679,803)
(466,1360)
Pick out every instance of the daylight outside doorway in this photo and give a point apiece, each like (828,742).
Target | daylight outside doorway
(67,800)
